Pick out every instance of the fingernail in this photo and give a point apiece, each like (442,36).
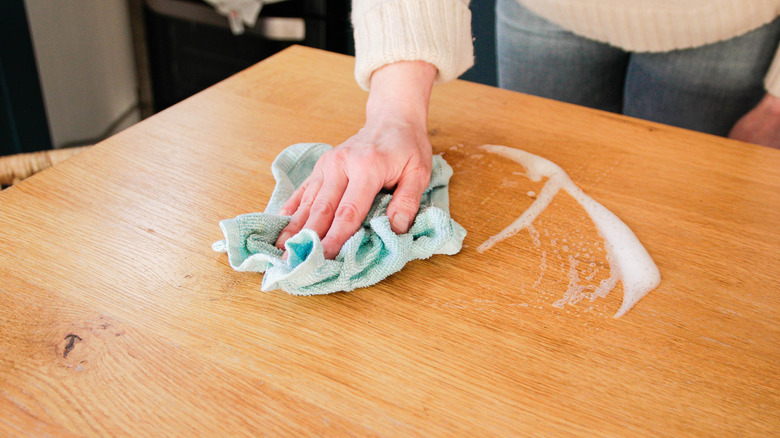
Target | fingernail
(401,223)
(282,238)
(285,255)
(327,249)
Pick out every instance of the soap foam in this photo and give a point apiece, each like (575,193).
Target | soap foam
(629,261)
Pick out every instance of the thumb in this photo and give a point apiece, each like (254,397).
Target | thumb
(406,200)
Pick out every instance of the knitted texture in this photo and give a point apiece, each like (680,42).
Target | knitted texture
(772,78)
(370,255)
(439,31)
(388,31)
(657,25)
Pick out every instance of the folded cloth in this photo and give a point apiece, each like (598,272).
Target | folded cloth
(369,256)
(239,12)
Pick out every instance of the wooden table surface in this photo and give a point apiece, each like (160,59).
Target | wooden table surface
(117,318)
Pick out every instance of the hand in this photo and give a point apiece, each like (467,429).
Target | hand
(391,151)
(761,125)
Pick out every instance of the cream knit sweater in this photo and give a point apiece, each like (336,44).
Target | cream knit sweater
(439,31)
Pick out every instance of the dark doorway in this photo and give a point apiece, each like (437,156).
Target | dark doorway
(23,123)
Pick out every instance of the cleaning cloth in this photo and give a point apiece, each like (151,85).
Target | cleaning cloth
(369,256)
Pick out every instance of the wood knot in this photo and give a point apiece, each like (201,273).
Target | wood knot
(71,341)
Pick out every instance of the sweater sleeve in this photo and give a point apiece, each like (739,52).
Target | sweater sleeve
(388,31)
(772,78)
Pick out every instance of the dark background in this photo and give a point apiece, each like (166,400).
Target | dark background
(184,57)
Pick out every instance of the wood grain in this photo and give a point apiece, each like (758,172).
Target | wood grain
(117,319)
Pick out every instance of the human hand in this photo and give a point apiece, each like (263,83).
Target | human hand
(391,151)
(761,125)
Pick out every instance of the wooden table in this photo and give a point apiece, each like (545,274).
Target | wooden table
(118,319)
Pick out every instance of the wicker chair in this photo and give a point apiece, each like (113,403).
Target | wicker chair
(14,168)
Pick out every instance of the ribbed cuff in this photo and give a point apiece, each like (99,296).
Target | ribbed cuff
(435,31)
(772,78)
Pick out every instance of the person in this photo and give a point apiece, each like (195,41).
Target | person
(699,64)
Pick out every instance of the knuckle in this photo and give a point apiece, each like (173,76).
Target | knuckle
(366,154)
(406,202)
(322,208)
(332,158)
(367,158)
(289,207)
(294,226)
(348,212)
(307,200)
(296,222)
(338,155)
(421,170)
(301,189)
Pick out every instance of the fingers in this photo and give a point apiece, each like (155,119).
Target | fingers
(307,193)
(335,202)
(335,214)
(406,199)
(351,212)
(317,209)
(323,209)
(335,209)
(291,206)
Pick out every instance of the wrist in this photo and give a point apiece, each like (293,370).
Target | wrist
(770,103)
(401,92)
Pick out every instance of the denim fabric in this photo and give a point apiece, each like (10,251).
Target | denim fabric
(706,88)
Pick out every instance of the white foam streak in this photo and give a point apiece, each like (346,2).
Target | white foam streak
(526,219)
(629,260)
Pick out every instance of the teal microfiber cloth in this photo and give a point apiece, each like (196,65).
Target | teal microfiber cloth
(369,256)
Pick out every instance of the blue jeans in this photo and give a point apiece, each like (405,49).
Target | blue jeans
(706,88)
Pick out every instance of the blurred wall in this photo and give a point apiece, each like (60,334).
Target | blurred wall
(85,60)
